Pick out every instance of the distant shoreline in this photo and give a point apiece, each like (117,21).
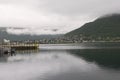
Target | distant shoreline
(83,42)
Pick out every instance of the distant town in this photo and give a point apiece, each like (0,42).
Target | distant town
(76,39)
(67,40)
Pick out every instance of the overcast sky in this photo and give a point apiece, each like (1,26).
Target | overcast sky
(52,16)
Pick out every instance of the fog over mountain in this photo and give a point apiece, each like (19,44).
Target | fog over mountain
(52,16)
(4,34)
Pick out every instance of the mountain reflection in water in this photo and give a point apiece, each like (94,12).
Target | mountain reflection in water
(107,58)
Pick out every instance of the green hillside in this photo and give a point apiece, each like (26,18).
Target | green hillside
(108,26)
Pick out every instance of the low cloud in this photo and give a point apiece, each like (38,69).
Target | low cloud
(32,31)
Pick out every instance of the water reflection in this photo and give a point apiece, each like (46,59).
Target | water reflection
(27,51)
(19,53)
(66,62)
(42,66)
(3,59)
(107,58)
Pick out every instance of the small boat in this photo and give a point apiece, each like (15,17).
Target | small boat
(6,51)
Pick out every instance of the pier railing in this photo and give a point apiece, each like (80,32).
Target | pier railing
(21,46)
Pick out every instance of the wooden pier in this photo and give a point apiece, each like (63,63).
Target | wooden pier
(21,46)
(10,49)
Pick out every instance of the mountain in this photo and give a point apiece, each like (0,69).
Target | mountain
(13,37)
(107,26)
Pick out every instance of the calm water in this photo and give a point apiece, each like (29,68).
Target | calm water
(85,61)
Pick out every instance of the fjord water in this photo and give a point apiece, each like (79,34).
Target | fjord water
(84,61)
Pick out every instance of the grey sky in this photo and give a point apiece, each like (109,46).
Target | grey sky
(43,16)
